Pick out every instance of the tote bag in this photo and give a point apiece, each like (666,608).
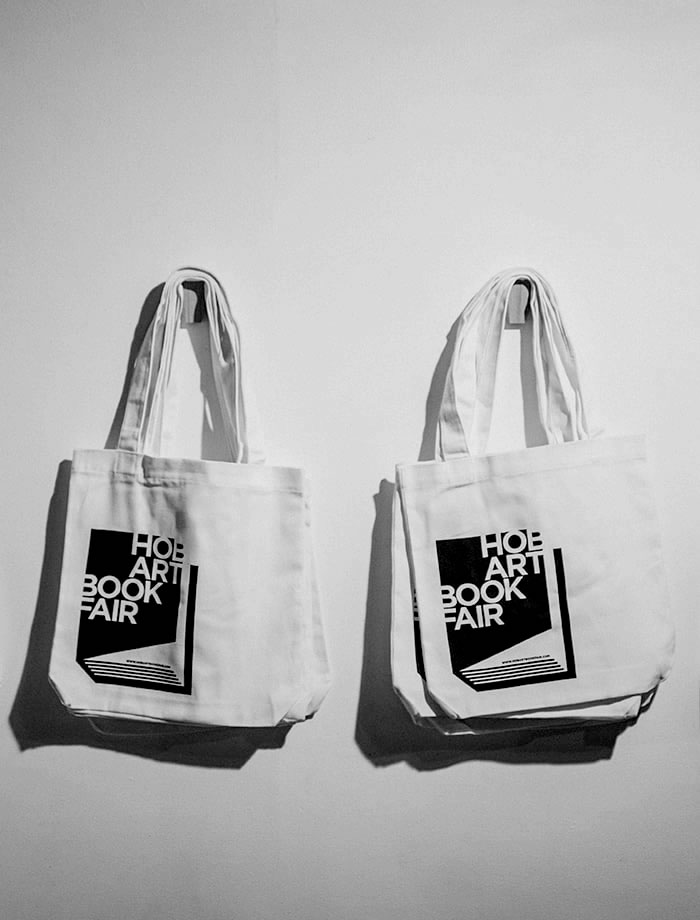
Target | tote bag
(188,589)
(537,573)
(408,674)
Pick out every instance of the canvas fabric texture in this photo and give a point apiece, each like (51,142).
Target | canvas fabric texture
(535,576)
(188,590)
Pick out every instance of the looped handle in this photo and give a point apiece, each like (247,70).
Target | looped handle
(141,429)
(467,403)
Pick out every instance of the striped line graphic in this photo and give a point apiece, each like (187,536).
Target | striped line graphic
(130,669)
(140,665)
(513,666)
(116,665)
(504,678)
(157,673)
(136,678)
(544,666)
(513,671)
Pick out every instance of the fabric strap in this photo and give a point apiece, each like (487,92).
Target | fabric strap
(142,425)
(467,403)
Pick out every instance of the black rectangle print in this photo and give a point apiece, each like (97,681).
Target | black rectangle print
(131,598)
(494,596)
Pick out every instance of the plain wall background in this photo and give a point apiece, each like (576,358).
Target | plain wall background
(353,172)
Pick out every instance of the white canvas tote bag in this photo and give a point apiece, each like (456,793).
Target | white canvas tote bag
(408,670)
(537,573)
(188,589)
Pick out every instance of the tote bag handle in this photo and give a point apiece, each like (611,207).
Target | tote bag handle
(141,429)
(467,403)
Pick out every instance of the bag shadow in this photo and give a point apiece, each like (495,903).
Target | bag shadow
(384,731)
(38,718)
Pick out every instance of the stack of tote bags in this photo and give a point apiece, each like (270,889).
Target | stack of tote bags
(528,586)
(188,590)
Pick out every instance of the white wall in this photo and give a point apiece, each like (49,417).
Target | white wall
(353,172)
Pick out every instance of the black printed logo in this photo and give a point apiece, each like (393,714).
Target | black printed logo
(495,596)
(137,612)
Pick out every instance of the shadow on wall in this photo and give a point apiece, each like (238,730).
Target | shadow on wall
(385,732)
(38,718)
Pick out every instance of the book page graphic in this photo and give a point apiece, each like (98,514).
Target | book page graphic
(505,610)
(137,612)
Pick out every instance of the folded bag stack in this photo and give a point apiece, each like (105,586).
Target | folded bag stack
(528,586)
(188,589)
